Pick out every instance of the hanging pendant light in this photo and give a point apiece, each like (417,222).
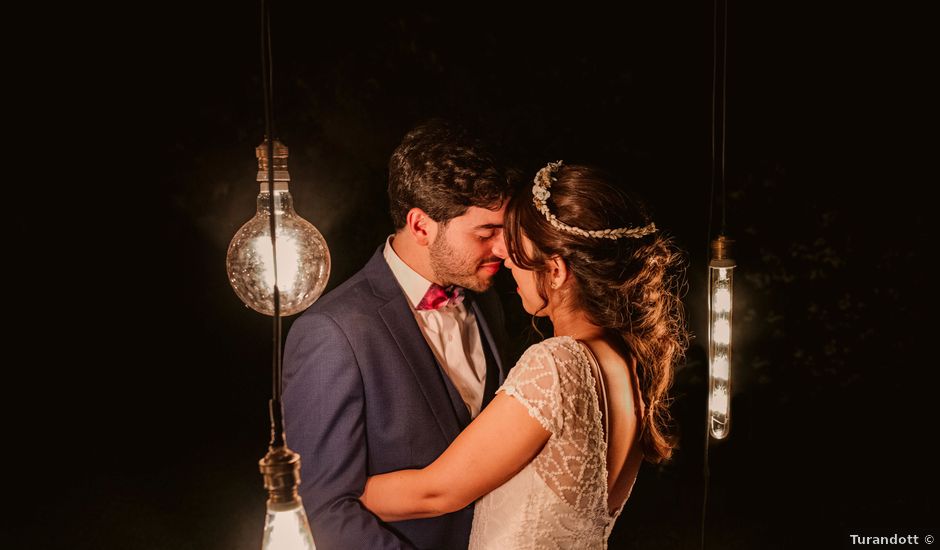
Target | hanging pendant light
(720,265)
(278,264)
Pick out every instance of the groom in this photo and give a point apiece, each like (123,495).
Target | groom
(383,372)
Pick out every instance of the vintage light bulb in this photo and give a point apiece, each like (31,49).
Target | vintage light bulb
(285,526)
(721,297)
(303,259)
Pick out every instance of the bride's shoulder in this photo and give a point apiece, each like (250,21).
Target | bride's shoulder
(558,348)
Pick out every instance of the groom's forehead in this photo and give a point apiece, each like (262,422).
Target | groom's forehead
(481,218)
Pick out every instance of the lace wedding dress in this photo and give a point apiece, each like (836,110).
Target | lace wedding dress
(559,500)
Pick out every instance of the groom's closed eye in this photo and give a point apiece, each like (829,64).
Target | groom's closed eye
(488,231)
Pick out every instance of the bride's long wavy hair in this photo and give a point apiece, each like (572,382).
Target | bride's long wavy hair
(631,286)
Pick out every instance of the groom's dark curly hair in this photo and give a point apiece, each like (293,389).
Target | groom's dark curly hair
(442,169)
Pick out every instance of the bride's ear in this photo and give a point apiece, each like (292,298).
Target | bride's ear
(557,272)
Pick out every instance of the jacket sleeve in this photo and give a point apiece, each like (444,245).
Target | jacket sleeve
(324,421)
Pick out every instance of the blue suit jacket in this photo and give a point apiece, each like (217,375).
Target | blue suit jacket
(364,395)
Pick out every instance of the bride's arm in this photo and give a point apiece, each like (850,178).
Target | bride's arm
(493,448)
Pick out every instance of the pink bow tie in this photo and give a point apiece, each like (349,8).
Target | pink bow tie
(438,296)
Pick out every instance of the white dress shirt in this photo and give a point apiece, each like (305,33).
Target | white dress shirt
(451,331)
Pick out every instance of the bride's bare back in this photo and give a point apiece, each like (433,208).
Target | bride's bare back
(623,415)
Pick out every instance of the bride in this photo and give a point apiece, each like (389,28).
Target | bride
(555,454)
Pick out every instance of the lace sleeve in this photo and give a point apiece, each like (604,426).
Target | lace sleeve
(534,383)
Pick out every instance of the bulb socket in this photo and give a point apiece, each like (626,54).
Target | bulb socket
(721,253)
(721,248)
(281,471)
(280,162)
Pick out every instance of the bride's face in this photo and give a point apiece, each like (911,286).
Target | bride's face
(527,282)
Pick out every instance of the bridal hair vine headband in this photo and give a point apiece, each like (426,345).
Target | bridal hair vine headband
(540,194)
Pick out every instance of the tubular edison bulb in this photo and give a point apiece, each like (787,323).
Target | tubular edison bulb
(720,299)
(303,259)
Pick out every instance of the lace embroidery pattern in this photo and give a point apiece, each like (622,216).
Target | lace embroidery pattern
(560,499)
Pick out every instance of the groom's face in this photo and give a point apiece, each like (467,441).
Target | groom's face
(466,249)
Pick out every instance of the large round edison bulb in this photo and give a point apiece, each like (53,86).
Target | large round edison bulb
(303,259)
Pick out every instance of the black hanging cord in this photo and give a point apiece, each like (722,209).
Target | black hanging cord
(267,76)
(719,72)
(274,406)
(718,133)
(724,103)
(711,189)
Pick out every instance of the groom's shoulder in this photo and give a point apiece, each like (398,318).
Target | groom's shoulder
(353,297)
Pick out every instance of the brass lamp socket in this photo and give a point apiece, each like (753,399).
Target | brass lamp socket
(281,471)
(721,252)
(280,162)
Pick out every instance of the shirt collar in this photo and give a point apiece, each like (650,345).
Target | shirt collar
(414,285)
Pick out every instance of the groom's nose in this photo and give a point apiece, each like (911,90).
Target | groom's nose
(499,249)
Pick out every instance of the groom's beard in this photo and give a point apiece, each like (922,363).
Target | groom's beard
(452,268)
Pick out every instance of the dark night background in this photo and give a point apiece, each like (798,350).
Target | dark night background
(139,381)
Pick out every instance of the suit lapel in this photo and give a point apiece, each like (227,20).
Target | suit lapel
(399,319)
(403,328)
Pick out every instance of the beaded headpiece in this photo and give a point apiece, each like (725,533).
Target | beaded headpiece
(541,193)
